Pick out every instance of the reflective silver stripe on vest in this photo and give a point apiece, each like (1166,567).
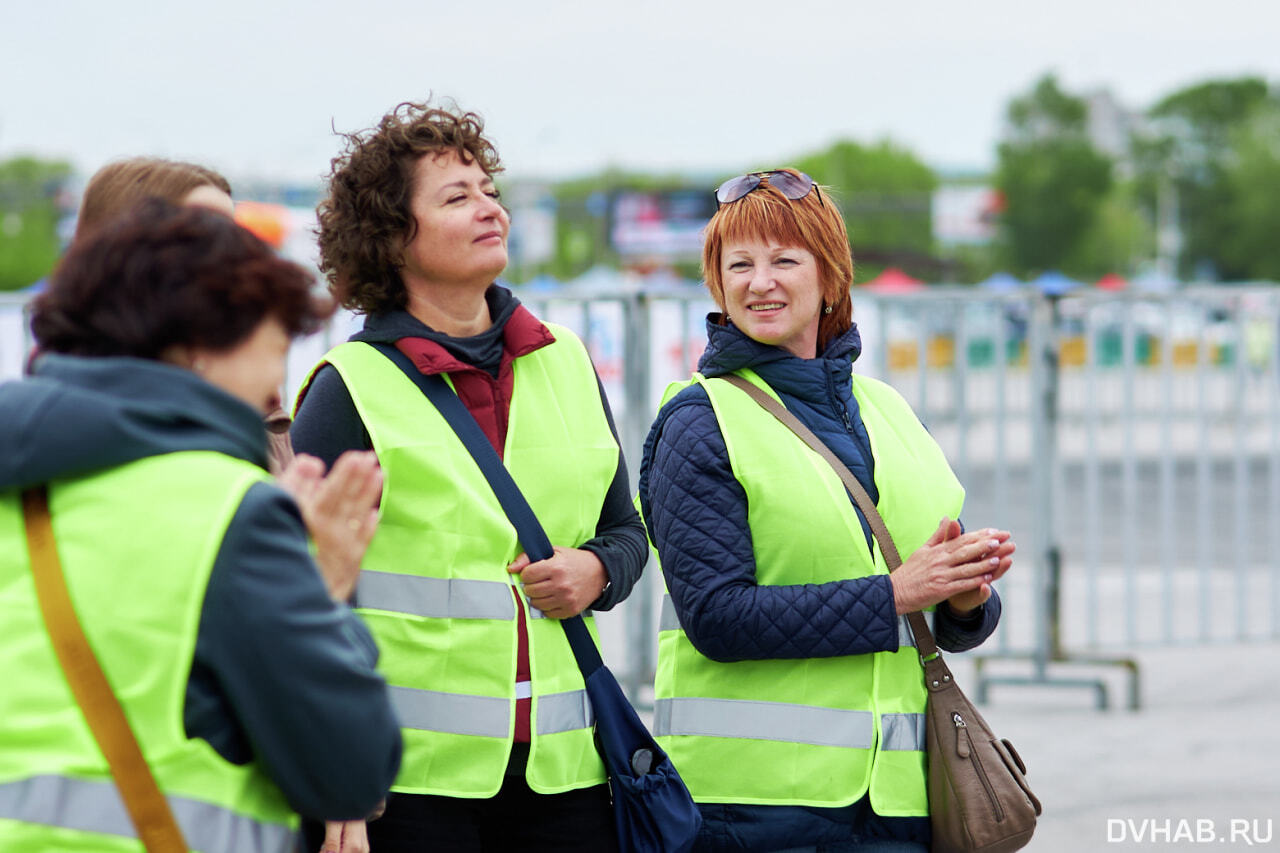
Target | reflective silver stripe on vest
(902,732)
(535,613)
(905,637)
(564,712)
(438,598)
(455,713)
(487,716)
(94,806)
(668,621)
(780,721)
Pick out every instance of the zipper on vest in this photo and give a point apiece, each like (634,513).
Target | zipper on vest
(835,398)
(964,748)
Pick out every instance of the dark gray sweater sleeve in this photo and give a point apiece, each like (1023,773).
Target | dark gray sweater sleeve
(285,675)
(328,425)
(620,541)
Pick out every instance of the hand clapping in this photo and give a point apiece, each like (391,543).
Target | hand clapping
(340,511)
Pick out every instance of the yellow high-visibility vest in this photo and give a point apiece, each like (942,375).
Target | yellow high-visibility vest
(816,731)
(435,590)
(137,544)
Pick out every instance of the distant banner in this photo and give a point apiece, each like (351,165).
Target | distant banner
(665,224)
(965,215)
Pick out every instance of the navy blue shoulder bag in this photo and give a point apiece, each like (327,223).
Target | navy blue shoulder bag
(653,811)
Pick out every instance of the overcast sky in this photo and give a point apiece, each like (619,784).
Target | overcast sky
(253,88)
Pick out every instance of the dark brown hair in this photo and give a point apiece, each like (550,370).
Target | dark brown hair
(812,223)
(162,276)
(365,220)
(117,187)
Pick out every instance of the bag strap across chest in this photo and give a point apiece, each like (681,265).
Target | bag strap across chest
(927,646)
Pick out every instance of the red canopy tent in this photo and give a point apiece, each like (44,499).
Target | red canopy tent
(894,280)
(1111,281)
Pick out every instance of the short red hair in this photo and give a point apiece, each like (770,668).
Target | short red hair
(812,223)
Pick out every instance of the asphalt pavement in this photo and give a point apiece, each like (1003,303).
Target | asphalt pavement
(1194,767)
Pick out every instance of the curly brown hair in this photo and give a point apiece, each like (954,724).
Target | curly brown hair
(365,220)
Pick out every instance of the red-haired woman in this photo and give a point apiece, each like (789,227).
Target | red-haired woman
(788,694)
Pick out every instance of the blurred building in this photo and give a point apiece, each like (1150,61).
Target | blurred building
(1111,127)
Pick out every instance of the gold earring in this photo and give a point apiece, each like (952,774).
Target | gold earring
(826,310)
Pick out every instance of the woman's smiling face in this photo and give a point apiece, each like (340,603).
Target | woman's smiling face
(773,294)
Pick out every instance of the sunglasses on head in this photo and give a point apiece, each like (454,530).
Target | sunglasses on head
(793,186)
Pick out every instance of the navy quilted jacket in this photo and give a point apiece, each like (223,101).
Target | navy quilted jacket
(697,515)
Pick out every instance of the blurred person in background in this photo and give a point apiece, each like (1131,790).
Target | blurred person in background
(250,687)
(499,753)
(121,185)
(788,692)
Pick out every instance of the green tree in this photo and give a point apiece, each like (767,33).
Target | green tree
(1054,183)
(1190,151)
(1118,239)
(29,215)
(885,193)
(1249,247)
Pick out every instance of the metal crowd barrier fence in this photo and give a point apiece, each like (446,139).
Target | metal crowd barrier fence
(1130,441)
(15,334)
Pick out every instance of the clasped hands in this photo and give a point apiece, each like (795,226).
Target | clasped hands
(954,567)
(340,511)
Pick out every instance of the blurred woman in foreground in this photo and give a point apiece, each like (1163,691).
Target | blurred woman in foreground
(251,690)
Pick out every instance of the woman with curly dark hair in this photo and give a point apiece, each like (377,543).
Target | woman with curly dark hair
(498,732)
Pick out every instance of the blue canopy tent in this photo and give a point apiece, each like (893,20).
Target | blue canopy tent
(543,282)
(1054,283)
(1152,281)
(599,277)
(1001,282)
